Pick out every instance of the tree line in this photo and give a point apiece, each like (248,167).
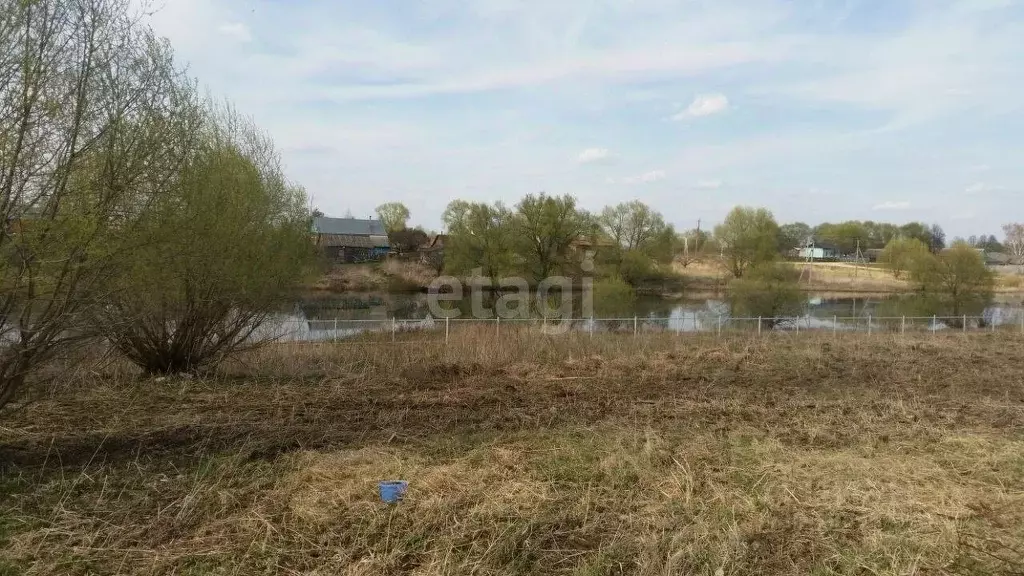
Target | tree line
(631,242)
(139,218)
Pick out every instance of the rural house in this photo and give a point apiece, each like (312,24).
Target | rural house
(819,251)
(351,239)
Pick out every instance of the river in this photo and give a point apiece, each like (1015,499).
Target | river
(340,315)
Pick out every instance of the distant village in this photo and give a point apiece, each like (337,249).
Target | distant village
(361,240)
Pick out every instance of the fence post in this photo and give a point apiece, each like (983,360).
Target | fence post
(797,325)
(965,323)
(835,325)
(719,325)
(758,325)
(446,330)
(591,326)
(497,326)
(935,323)
(903,325)
(334,336)
(869,324)
(634,326)
(394,327)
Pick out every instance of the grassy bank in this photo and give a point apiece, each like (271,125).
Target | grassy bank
(532,454)
(834,277)
(393,276)
(824,277)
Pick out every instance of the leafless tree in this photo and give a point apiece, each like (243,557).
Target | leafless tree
(1014,239)
(91,131)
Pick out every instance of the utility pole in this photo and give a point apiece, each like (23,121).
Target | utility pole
(856,262)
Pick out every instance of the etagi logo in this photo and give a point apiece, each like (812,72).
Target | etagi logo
(557,299)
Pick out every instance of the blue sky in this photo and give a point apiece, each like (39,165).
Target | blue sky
(820,110)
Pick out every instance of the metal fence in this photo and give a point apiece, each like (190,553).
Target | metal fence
(328,330)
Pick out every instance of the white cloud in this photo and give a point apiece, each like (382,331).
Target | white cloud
(594,156)
(236,30)
(704,105)
(983,187)
(324,79)
(892,205)
(645,178)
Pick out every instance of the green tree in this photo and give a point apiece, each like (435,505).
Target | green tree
(479,236)
(931,236)
(641,238)
(94,120)
(692,246)
(214,259)
(902,254)
(843,235)
(393,215)
(664,246)
(614,297)
(878,234)
(769,290)
(793,236)
(455,214)
(408,239)
(545,227)
(633,225)
(748,236)
(956,280)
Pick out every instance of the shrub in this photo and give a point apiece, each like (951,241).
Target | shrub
(769,291)
(214,257)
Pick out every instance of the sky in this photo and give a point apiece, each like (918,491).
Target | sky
(820,110)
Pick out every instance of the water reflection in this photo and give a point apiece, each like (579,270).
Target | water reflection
(347,315)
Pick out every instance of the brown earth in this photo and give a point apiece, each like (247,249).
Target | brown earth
(533,454)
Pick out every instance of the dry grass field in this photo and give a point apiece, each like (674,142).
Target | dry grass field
(387,276)
(657,455)
(824,277)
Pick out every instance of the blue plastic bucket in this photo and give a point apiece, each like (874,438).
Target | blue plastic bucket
(391,491)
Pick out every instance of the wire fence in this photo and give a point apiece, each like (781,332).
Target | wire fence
(335,330)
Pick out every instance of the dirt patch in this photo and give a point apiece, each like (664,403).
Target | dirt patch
(847,391)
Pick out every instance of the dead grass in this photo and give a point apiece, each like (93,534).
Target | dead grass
(848,277)
(387,276)
(533,454)
(827,277)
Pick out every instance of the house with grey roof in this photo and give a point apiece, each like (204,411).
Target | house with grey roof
(351,239)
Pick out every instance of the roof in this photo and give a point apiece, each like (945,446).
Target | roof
(997,258)
(354,241)
(350,226)
(823,246)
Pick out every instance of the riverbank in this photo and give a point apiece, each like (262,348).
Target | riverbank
(389,276)
(533,454)
(403,277)
(833,277)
